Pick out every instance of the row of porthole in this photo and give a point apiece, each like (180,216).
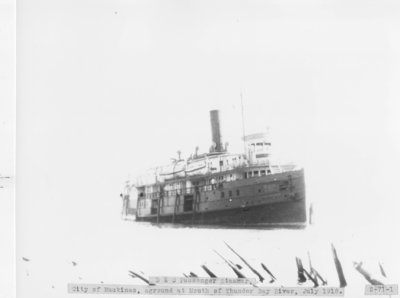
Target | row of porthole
(230,193)
(251,202)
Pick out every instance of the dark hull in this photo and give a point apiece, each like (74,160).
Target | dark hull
(288,213)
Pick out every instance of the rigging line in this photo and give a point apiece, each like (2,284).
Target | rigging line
(243,128)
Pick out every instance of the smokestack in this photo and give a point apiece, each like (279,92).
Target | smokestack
(216,130)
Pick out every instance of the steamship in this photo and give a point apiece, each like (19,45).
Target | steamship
(222,188)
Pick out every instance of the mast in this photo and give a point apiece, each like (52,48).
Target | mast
(243,130)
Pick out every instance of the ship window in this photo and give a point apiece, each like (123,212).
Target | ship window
(237,192)
(250,174)
(245,175)
(230,193)
(284,185)
(221,162)
(255,173)
(188,203)
(262,172)
(222,194)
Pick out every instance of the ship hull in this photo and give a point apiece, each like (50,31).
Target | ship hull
(287,213)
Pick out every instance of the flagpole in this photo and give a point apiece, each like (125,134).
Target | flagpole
(243,129)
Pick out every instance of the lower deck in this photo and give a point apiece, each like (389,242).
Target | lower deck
(292,213)
(229,201)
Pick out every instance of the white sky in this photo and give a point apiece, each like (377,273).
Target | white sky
(107,88)
(110,87)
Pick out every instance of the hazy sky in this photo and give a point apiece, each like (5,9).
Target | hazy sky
(108,88)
